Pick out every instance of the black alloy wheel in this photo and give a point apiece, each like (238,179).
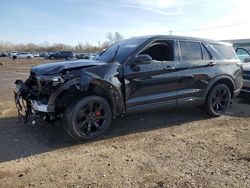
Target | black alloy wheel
(218,100)
(88,118)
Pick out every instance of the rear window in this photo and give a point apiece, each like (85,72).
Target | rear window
(190,50)
(225,51)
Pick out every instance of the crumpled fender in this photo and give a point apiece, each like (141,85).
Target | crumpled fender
(112,88)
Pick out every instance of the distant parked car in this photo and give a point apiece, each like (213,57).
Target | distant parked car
(62,55)
(3,54)
(82,56)
(86,56)
(244,56)
(13,53)
(36,54)
(23,55)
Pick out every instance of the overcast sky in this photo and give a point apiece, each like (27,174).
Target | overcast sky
(73,21)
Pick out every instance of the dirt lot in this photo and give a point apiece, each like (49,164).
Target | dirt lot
(180,148)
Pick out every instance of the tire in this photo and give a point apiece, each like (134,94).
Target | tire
(52,58)
(218,100)
(88,118)
(28,57)
(68,58)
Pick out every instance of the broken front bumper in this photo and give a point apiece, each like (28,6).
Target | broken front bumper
(37,106)
(29,103)
(26,106)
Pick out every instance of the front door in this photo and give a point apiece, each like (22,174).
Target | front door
(152,83)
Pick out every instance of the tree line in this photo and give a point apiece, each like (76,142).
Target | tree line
(80,47)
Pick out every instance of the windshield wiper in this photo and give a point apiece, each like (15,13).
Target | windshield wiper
(115,54)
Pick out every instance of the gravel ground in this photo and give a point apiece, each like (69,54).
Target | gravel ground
(171,148)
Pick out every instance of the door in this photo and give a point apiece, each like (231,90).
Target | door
(195,69)
(150,79)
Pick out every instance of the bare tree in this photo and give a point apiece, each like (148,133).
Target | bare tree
(113,37)
(80,47)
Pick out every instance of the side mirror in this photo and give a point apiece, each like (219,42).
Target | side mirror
(142,59)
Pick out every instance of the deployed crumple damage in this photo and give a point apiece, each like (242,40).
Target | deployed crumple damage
(85,76)
(107,77)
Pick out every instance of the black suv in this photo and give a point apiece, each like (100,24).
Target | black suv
(62,55)
(132,75)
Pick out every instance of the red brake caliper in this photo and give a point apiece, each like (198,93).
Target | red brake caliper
(98,113)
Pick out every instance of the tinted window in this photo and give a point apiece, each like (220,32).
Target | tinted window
(225,51)
(205,52)
(160,51)
(190,50)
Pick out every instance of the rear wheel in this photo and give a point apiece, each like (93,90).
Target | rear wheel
(218,100)
(88,118)
(28,57)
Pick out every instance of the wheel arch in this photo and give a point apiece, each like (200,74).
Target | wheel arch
(88,85)
(224,79)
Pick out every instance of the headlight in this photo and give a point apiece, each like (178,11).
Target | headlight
(56,80)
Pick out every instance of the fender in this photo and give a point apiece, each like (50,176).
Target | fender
(112,87)
(216,79)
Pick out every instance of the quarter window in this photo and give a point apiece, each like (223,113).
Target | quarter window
(225,51)
(190,50)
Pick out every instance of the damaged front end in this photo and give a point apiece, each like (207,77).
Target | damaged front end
(35,98)
(53,87)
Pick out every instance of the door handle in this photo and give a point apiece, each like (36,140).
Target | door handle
(169,68)
(210,64)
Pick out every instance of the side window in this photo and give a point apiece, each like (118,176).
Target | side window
(205,53)
(190,50)
(225,51)
(160,51)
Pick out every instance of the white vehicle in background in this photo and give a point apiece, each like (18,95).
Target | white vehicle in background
(13,53)
(36,54)
(23,55)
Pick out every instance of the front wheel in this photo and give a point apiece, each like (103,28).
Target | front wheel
(218,100)
(88,118)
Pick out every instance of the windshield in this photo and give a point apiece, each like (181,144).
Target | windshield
(120,50)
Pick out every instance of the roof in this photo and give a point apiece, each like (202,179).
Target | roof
(175,37)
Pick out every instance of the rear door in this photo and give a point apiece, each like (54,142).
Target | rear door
(195,69)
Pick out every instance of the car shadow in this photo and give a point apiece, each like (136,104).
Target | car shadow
(18,140)
(240,107)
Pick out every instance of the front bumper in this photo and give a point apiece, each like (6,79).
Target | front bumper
(38,106)
(29,103)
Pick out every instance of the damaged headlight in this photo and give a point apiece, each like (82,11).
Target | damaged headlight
(57,80)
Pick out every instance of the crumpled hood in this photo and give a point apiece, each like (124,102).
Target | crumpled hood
(58,67)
